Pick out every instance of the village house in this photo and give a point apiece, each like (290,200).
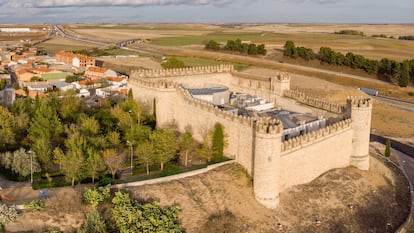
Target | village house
(77,60)
(94,73)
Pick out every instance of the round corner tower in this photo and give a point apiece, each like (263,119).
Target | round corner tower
(266,170)
(165,103)
(360,110)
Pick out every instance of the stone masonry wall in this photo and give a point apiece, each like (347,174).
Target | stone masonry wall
(303,160)
(300,160)
(314,102)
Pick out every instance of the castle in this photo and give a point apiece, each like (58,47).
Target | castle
(274,162)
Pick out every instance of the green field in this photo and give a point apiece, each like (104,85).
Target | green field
(374,48)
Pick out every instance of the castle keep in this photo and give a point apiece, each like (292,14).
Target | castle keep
(277,156)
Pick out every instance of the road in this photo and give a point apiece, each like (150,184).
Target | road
(157,50)
(256,60)
(59,31)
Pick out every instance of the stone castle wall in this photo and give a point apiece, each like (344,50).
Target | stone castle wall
(176,107)
(306,157)
(163,73)
(314,102)
(256,143)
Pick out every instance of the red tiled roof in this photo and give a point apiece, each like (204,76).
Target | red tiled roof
(20,92)
(97,69)
(83,82)
(114,79)
(41,70)
(32,94)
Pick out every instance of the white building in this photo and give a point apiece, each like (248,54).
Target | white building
(15,30)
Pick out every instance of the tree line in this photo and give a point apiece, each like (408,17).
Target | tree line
(403,71)
(89,143)
(350,32)
(238,46)
(406,37)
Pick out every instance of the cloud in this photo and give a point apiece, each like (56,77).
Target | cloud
(103,3)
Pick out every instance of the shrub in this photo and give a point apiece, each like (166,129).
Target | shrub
(35,205)
(96,196)
(7,214)
(94,223)
(104,181)
(53,230)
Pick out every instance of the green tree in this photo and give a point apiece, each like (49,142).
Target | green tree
(173,63)
(70,107)
(21,163)
(404,78)
(93,223)
(218,141)
(113,161)
(252,49)
(261,49)
(145,155)
(213,45)
(6,160)
(387,152)
(206,150)
(7,126)
(290,49)
(124,119)
(138,134)
(185,145)
(94,163)
(130,94)
(164,143)
(44,132)
(131,216)
(72,163)
(113,139)
(89,126)
(95,196)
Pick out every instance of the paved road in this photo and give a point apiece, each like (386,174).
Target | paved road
(156,49)
(407,164)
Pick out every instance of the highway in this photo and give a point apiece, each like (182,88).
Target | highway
(157,50)
(59,31)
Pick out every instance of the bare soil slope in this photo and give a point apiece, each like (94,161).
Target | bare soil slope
(222,201)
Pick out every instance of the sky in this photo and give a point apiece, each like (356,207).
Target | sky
(206,11)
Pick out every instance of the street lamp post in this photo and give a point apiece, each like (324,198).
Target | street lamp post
(132,156)
(31,167)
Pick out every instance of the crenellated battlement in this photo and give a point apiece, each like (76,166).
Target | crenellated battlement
(199,70)
(248,121)
(283,76)
(314,102)
(269,125)
(310,137)
(155,84)
(359,101)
